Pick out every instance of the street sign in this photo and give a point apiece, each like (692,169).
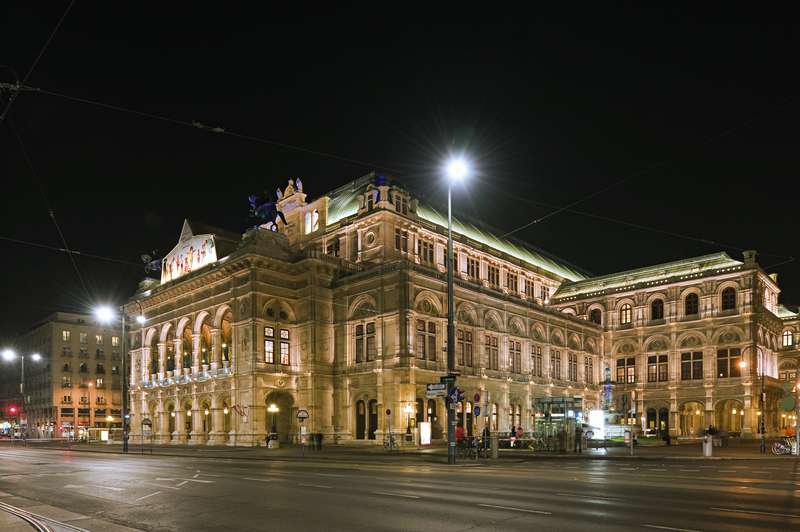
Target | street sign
(447,379)
(436,390)
(302,415)
(477,398)
(477,410)
(454,395)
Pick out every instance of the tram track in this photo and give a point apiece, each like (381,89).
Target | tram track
(39,522)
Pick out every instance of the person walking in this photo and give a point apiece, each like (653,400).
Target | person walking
(579,439)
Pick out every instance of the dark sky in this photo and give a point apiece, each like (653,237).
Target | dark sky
(698,119)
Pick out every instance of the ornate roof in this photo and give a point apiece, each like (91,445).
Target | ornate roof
(786,313)
(656,274)
(343,202)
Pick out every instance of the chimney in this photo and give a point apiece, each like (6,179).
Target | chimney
(749,257)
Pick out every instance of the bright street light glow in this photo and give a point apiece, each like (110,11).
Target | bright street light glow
(36,357)
(140,319)
(9,355)
(104,314)
(457,169)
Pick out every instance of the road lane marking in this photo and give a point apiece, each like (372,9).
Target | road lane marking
(77,486)
(755,512)
(586,496)
(160,485)
(316,486)
(396,494)
(659,527)
(330,475)
(183,483)
(656,469)
(260,479)
(516,509)
(146,496)
(726,471)
(628,468)
(689,470)
(195,476)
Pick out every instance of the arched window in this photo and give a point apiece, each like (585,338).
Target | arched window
(788,338)
(625,314)
(596,316)
(691,305)
(657,309)
(729,299)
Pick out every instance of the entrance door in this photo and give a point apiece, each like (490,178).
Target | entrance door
(663,420)
(373,418)
(361,420)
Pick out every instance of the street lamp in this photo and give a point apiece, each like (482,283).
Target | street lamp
(456,170)
(408,409)
(9,355)
(106,315)
(273,409)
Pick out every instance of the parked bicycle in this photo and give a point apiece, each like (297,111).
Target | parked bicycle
(784,446)
(389,442)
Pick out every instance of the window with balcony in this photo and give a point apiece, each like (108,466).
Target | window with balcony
(529,288)
(512,282)
(333,248)
(66,351)
(588,369)
(473,268)
(84,338)
(66,382)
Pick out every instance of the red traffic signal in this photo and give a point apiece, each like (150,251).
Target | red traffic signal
(13,409)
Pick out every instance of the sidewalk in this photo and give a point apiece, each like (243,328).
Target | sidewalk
(738,450)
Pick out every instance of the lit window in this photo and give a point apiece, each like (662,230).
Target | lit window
(625,314)
(65,335)
(98,339)
(285,347)
(626,370)
(269,345)
(788,339)
(84,338)
(115,341)
(728,363)
(657,368)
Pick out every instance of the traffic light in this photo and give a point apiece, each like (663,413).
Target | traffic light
(13,409)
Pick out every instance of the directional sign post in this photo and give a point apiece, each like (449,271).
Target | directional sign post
(436,390)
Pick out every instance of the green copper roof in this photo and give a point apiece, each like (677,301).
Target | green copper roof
(343,202)
(648,274)
(784,313)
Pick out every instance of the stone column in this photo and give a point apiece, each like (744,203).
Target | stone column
(195,354)
(145,369)
(197,437)
(162,359)
(216,349)
(179,436)
(163,425)
(178,356)
(217,435)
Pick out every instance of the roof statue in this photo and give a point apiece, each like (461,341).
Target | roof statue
(298,184)
(151,263)
(265,211)
(289,189)
(279,193)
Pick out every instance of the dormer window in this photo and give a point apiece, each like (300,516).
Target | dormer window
(401,203)
(312,221)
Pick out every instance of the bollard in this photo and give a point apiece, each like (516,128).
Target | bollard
(495,439)
(708,446)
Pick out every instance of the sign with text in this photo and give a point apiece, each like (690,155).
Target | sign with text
(436,390)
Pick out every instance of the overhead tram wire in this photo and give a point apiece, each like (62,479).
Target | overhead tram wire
(14,93)
(68,251)
(218,130)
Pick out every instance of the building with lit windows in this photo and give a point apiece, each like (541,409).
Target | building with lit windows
(689,343)
(342,313)
(77,383)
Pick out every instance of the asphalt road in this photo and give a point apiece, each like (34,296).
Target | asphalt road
(101,491)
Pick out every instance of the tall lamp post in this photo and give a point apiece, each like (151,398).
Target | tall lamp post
(456,170)
(763,403)
(9,355)
(105,315)
(408,410)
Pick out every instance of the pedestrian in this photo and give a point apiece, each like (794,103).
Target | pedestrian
(579,439)
(512,436)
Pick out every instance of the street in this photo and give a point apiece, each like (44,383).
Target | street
(97,491)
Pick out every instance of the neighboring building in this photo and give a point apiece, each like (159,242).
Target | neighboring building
(342,313)
(77,384)
(788,366)
(686,342)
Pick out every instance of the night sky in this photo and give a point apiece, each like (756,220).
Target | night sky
(653,118)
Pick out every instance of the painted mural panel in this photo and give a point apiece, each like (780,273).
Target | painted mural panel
(188,255)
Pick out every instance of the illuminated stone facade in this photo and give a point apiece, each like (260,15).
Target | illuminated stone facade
(342,313)
(685,342)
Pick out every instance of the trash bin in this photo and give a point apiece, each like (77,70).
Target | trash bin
(708,446)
